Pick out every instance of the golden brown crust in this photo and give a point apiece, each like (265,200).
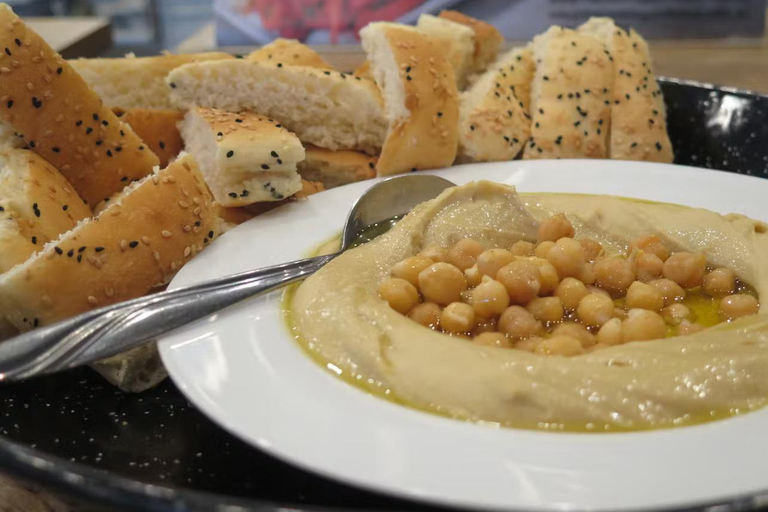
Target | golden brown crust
(131,247)
(62,119)
(238,215)
(336,168)
(157,128)
(487,39)
(290,52)
(363,70)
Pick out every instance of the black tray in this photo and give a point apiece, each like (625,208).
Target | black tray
(77,435)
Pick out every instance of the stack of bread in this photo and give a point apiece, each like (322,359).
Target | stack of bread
(115,172)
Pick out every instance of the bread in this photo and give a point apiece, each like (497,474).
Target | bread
(494,124)
(62,119)
(244,157)
(638,115)
(456,40)
(8,137)
(291,53)
(136,82)
(487,39)
(335,168)
(37,204)
(157,128)
(135,370)
(570,94)
(363,70)
(326,108)
(420,95)
(137,243)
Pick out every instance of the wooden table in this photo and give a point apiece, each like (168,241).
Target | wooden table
(88,36)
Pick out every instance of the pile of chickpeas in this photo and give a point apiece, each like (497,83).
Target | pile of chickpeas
(561,295)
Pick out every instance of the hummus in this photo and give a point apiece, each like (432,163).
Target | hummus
(651,384)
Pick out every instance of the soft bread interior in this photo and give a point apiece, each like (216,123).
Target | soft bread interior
(385,70)
(455,39)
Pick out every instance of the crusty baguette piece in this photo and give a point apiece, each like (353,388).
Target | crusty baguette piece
(244,157)
(457,41)
(291,53)
(638,114)
(494,123)
(62,119)
(136,82)
(420,95)
(157,128)
(336,168)
(326,108)
(487,39)
(137,243)
(37,204)
(570,96)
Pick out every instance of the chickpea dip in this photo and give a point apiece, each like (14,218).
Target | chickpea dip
(351,316)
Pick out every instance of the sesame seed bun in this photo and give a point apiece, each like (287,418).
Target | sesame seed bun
(336,168)
(157,128)
(291,53)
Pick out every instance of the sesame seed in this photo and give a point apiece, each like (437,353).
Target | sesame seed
(109,291)
(187,250)
(156,255)
(166,234)
(123,244)
(92,299)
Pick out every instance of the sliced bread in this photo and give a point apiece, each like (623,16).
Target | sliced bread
(291,53)
(457,41)
(487,39)
(158,130)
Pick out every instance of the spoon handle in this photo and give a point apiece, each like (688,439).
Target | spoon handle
(110,330)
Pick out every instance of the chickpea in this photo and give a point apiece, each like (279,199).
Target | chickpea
(567,256)
(738,305)
(410,268)
(610,333)
(492,339)
(517,323)
(473,276)
(570,291)
(442,283)
(435,253)
(587,276)
(522,248)
(650,244)
(490,261)
(642,325)
(559,346)
(549,277)
(674,314)
(464,253)
(578,331)
(457,317)
(522,280)
(685,268)
(595,309)
(648,266)
(614,274)
(484,325)
(670,290)
(719,282)
(399,293)
(599,291)
(546,309)
(426,314)
(644,296)
(687,328)
(555,228)
(543,249)
(490,298)
(592,249)
(528,344)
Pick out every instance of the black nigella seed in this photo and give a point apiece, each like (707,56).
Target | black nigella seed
(18,42)
(197,223)
(119,149)
(244,193)
(279,64)
(238,120)
(559,139)
(658,146)
(122,133)
(265,167)
(59,71)
(408,69)
(472,127)
(95,117)
(327,73)
(274,154)
(210,234)
(98,249)
(230,154)
(233,195)
(370,165)
(105,122)
(34,240)
(626,96)
(546,78)
(162,145)
(79,258)
(408,77)
(79,123)
(65,207)
(279,162)
(124,178)
(570,95)
(577,123)
(81,249)
(634,144)
(541,111)
(99,142)
(70,253)
(10,103)
(173,85)
(413,169)
(89,131)
(32,144)
(506,138)
(35,322)
(278,126)
(133,244)
(55,149)
(559,96)
(58,250)
(36,102)
(439,114)
(537,124)
(109,153)
(8,51)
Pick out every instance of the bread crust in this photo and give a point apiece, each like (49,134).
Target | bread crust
(157,128)
(290,52)
(487,39)
(336,168)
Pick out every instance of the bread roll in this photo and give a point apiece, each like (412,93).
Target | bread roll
(62,119)
(37,204)
(456,40)
(420,95)
(244,157)
(326,108)
(137,243)
(158,130)
(291,53)
(494,123)
(570,96)
(487,39)
(136,82)
(336,168)
(638,114)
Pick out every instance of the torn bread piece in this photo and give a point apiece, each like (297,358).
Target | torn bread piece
(420,95)
(291,53)
(60,118)
(494,123)
(244,157)
(638,114)
(570,96)
(487,39)
(136,82)
(336,168)
(157,128)
(456,40)
(326,108)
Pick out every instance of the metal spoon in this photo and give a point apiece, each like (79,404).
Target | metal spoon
(110,330)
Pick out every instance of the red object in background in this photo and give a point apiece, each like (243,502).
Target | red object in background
(297,18)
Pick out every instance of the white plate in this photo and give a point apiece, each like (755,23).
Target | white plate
(244,371)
